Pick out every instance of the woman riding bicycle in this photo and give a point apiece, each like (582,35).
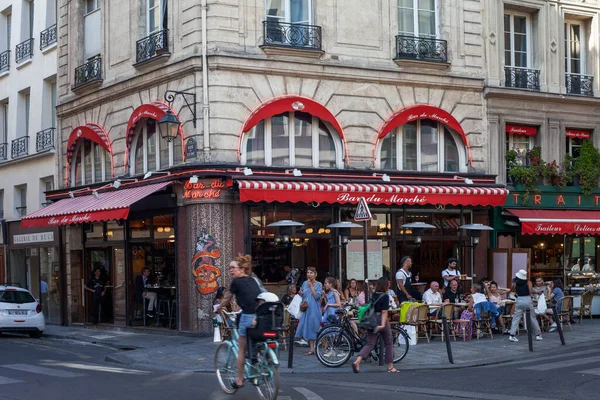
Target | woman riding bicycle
(246,290)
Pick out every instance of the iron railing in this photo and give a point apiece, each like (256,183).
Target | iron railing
(5,61)
(24,50)
(421,48)
(91,71)
(152,46)
(522,78)
(44,140)
(48,37)
(3,151)
(284,34)
(19,147)
(580,84)
(21,211)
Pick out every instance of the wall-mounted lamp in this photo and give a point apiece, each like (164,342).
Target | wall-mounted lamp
(151,173)
(169,124)
(74,192)
(247,171)
(343,230)
(295,171)
(417,229)
(285,228)
(468,181)
(474,231)
(117,183)
(193,179)
(384,177)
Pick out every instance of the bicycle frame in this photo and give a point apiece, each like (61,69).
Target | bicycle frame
(251,370)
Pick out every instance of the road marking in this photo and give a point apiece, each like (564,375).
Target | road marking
(34,369)
(553,358)
(7,381)
(308,394)
(594,371)
(562,364)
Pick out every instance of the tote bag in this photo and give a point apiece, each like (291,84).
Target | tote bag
(294,307)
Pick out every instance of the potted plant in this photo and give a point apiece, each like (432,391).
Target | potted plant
(558,175)
(587,167)
(528,174)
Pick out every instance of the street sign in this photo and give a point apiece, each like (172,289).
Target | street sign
(362,211)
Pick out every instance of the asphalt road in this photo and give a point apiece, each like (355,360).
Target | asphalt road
(57,369)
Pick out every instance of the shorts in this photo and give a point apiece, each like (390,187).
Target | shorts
(246,321)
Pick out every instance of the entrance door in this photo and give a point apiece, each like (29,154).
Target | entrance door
(101,258)
(118,292)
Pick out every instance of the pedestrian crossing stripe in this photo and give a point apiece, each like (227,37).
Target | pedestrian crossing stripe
(563,364)
(362,212)
(34,369)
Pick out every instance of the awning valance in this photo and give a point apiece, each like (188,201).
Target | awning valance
(388,194)
(578,133)
(560,222)
(106,206)
(521,130)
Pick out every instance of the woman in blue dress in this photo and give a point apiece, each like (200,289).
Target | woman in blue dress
(310,321)
(333,299)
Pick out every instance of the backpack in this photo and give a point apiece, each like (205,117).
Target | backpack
(367,317)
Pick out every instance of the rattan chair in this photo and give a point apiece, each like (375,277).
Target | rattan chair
(565,305)
(483,324)
(225,326)
(507,317)
(285,334)
(446,310)
(585,308)
(418,317)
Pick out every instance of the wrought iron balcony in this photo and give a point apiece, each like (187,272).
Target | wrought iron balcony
(522,78)
(580,84)
(89,72)
(420,48)
(44,140)
(284,34)
(4,61)
(3,151)
(24,51)
(48,37)
(19,147)
(154,45)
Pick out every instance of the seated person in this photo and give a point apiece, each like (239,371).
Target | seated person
(433,296)
(540,287)
(495,296)
(392,295)
(287,299)
(452,295)
(142,283)
(577,266)
(589,267)
(360,300)
(556,293)
(478,302)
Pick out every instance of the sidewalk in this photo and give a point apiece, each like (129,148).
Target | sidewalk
(184,352)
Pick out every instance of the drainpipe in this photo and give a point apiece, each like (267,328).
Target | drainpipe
(205,105)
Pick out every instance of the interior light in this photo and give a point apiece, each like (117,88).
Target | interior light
(167,229)
(309,230)
(327,231)
(159,229)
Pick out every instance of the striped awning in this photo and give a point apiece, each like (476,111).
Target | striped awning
(106,206)
(561,222)
(388,194)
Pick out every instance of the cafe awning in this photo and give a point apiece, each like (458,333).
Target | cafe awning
(388,194)
(561,222)
(105,206)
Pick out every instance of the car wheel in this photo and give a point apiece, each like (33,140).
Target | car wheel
(36,335)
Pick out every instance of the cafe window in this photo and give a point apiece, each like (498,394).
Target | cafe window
(90,164)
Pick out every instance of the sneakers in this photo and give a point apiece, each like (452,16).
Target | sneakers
(552,327)
(302,342)
(513,338)
(538,337)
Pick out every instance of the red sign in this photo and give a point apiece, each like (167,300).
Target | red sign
(203,190)
(521,130)
(578,134)
(560,228)
(92,216)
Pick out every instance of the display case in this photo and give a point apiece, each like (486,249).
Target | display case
(579,282)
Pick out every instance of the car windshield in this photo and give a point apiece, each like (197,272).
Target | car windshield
(15,297)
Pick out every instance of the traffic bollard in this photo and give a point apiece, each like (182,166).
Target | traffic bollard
(447,338)
(291,344)
(559,326)
(529,328)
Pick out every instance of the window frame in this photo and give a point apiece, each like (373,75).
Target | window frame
(441,161)
(528,35)
(96,5)
(80,152)
(4,133)
(337,142)
(44,188)
(511,146)
(570,145)
(160,17)
(287,13)
(415,12)
(142,130)
(582,51)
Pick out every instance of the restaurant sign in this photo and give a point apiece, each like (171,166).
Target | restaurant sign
(208,189)
(560,200)
(34,238)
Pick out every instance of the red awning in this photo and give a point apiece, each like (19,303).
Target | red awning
(521,130)
(107,206)
(578,134)
(91,131)
(349,193)
(550,222)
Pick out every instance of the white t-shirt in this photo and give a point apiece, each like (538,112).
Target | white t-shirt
(432,298)
(478,298)
(401,274)
(391,295)
(449,272)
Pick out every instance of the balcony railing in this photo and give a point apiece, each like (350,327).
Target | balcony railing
(4,61)
(21,211)
(420,48)
(89,72)
(19,147)
(44,140)
(48,37)
(24,51)
(284,34)
(152,46)
(522,78)
(3,151)
(580,84)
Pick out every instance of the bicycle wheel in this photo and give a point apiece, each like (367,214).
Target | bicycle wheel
(267,370)
(333,347)
(225,365)
(400,342)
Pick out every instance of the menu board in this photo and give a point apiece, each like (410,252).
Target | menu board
(355,263)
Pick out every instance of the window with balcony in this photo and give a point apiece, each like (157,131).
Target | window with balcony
(295,139)
(5,42)
(156,42)
(90,164)
(289,23)
(517,53)
(418,32)
(24,50)
(150,152)
(20,201)
(48,36)
(422,145)
(3,124)
(576,80)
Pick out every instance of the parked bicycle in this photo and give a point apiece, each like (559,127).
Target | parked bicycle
(337,342)
(262,365)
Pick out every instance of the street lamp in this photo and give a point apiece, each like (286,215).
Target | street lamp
(285,228)
(169,124)
(343,229)
(417,229)
(474,231)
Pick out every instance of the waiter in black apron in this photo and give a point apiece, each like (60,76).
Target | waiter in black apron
(404,281)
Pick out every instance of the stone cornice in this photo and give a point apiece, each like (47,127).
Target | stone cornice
(517,94)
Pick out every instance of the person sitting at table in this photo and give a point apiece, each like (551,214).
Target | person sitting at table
(433,297)
(142,283)
(480,304)
(589,267)
(452,295)
(287,298)
(577,266)
(360,300)
(351,292)
(497,297)
(392,296)
(540,286)
(556,293)
(451,272)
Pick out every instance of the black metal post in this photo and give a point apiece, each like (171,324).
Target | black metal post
(291,344)
(366,262)
(529,328)
(559,326)
(447,338)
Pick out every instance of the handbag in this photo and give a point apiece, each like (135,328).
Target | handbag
(294,307)
(304,306)
(367,317)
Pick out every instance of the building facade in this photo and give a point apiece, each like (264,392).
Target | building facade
(28,64)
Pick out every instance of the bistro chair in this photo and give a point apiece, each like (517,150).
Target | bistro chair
(226,326)
(482,322)
(446,310)
(418,317)
(585,308)
(565,305)
(509,312)
(285,334)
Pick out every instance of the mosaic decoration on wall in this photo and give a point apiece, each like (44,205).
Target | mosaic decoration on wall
(204,264)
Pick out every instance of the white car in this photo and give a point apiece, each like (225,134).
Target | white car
(20,312)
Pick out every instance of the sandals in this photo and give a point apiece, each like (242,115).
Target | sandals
(393,370)
(235,386)
(355,368)
(309,353)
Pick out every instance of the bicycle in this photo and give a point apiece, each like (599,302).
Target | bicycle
(262,365)
(337,342)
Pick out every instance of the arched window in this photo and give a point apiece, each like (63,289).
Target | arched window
(90,163)
(150,152)
(422,145)
(295,139)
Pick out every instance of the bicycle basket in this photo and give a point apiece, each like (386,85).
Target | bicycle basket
(269,322)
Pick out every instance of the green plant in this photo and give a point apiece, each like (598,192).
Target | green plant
(526,171)
(558,175)
(587,166)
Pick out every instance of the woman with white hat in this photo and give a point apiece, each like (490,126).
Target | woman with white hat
(523,289)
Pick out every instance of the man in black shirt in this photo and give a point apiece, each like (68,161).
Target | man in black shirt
(452,296)
(96,285)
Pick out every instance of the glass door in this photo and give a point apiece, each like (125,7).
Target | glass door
(100,258)
(118,292)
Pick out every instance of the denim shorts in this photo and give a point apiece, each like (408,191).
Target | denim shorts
(245,323)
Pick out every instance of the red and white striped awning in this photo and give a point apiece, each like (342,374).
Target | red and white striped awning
(107,206)
(388,194)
